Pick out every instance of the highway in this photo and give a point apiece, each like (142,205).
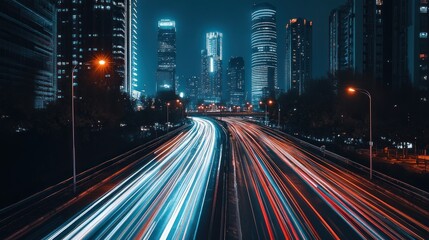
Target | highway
(281,191)
(169,197)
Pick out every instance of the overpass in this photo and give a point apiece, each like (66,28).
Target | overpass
(226,114)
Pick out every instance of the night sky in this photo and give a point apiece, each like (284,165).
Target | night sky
(233,18)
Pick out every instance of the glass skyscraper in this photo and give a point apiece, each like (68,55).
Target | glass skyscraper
(264,51)
(211,68)
(166,71)
(133,86)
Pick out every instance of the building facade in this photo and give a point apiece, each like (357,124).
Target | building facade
(264,51)
(192,92)
(341,41)
(204,88)
(370,37)
(298,62)
(236,81)
(133,85)
(166,70)
(419,47)
(28,53)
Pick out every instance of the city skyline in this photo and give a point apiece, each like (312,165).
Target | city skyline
(234,21)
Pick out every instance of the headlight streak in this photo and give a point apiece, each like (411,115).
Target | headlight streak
(266,188)
(368,213)
(161,200)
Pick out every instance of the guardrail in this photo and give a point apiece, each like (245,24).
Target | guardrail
(402,186)
(15,209)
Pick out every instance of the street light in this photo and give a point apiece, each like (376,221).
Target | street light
(100,62)
(181,110)
(266,112)
(278,120)
(168,105)
(366,92)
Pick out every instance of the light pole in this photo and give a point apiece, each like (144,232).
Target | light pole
(266,111)
(366,92)
(181,110)
(101,62)
(278,120)
(168,105)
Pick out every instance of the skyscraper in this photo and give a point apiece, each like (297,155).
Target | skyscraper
(236,81)
(341,40)
(419,44)
(264,51)
(204,89)
(94,29)
(211,68)
(193,87)
(370,38)
(134,86)
(166,71)
(28,54)
(298,62)
(395,18)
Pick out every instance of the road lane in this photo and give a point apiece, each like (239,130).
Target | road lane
(164,199)
(285,192)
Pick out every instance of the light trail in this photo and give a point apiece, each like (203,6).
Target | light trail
(298,195)
(164,199)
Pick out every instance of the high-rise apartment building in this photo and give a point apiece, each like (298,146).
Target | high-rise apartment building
(419,44)
(211,68)
(28,54)
(298,62)
(236,81)
(264,51)
(98,29)
(166,71)
(370,37)
(395,18)
(341,40)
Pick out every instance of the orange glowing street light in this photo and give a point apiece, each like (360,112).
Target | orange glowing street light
(351,90)
(102,62)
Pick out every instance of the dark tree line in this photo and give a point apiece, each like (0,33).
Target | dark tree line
(36,143)
(326,109)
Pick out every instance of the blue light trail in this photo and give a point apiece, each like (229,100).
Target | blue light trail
(162,200)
